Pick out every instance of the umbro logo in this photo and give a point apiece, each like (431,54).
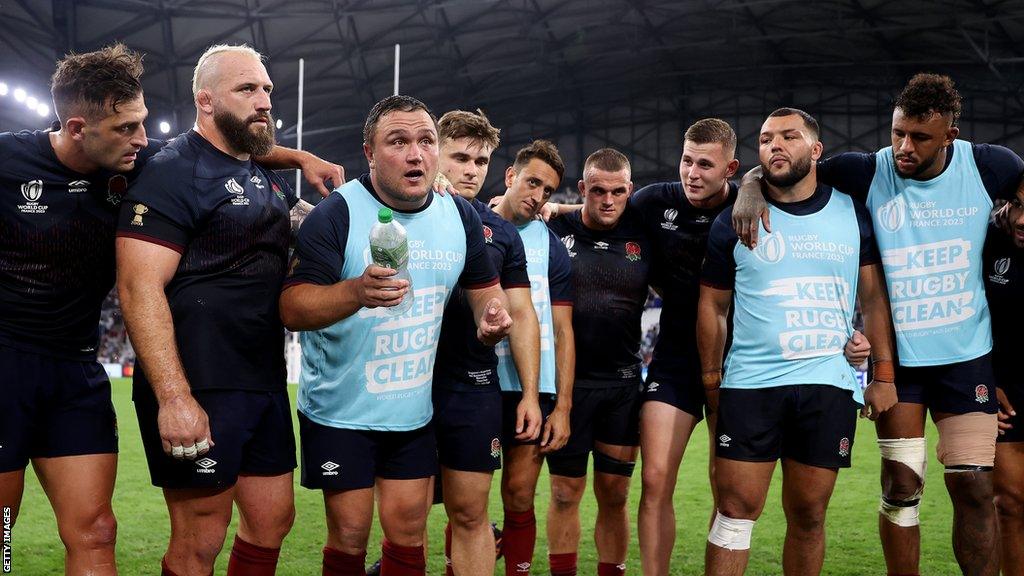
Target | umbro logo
(653,387)
(702,219)
(523,567)
(78,186)
(600,245)
(256,180)
(724,440)
(205,466)
(330,468)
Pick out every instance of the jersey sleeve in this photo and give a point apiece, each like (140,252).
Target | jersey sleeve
(719,270)
(513,270)
(161,206)
(320,248)
(479,271)
(849,172)
(1000,169)
(868,246)
(560,284)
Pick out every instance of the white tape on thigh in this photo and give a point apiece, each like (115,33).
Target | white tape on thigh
(913,453)
(731,533)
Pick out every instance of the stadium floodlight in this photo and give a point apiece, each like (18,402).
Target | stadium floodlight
(31,102)
(43,110)
(279,123)
(3,89)
(165,127)
(19,94)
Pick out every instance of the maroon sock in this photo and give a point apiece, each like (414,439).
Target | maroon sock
(338,563)
(519,535)
(402,560)
(251,560)
(611,569)
(164,570)
(448,550)
(562,564)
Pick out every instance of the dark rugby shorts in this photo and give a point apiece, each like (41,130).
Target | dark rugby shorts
(252,432)
(809,423)
(959,388)
(53,407)
(607,415)
(468,428)
(348,459)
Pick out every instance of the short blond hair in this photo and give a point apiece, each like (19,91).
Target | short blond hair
(200,74)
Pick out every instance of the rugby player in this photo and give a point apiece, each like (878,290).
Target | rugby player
(787,392)
(611,258)
(202,247)
(535,174)
(1004,286)
(62,190)
(365,393)
(929,195)
(466,396)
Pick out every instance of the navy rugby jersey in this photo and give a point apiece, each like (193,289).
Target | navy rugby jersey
(679,232)
(56,246)
(463,362)
(228,219)
(611,269)
(1004,285)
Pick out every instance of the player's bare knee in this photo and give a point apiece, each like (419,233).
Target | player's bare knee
(468,519)
(98,531)
(806,517)
(566,495)
(612,494)
(1010,502)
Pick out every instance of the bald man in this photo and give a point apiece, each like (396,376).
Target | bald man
(201,255)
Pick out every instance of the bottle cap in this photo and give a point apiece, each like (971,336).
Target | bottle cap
(384,215)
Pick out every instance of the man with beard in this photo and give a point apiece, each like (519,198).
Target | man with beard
(467,397)
(365,395)
(202,248)
(787,392)
(611,258)
(1004,286)
(533,177)
(930,195)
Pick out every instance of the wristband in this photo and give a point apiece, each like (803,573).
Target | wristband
(883,371)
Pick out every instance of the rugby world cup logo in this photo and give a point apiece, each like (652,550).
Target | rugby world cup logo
(569,241)
(32,190)
(772,248)
(1002,266)
(671,214)
(891,215)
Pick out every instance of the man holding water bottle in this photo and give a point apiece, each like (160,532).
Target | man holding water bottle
(787,391)
(365,394)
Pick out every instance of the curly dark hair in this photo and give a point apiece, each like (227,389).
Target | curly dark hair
(88,83)
(926,94)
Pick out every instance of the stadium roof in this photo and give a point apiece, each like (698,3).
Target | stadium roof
(625,73)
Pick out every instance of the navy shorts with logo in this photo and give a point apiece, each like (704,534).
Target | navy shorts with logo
(348,459)
(509,404)
(684,392)
(959,388)
(810,423)
(608,415)
(51,408)
(468,428)
(252,434)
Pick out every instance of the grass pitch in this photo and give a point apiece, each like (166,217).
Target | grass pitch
(852,549)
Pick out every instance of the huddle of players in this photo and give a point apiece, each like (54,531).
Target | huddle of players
(202,240)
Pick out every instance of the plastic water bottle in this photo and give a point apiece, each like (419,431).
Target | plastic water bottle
(389,247)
